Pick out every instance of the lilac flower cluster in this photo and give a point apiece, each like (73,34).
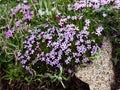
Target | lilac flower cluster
(78,5)
(9,33)
(22,8)
(61,46)
(64,21)
(117,4)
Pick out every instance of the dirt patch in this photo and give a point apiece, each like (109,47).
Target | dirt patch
(72,84)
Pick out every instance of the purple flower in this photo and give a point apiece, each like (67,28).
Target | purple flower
(23,61)
(94,49)
(76,6)
(84,33)
(103,44)
(99,30)
(81,49)
(32,52)
(87,22)
(74,54)
(117,4)
(96,5)
(47,60)
(88,47)
(30,72)
(77,42)
(21,57)
(88,42)
(17,0)
(28,15)
(74,17)
(16,9)
(27,67)
(77,60)
(18,54)
(8,33)
(60,52)
(67,51)
(4,47)
(28,58)
(79,54)
(59,65)
(67,61)
(18,23)
(25,7)
(51,63)
(85,60)
(63,46)
(43,59)
(85,28)
(103,2)
(69,71)
(80,5)
(47,36)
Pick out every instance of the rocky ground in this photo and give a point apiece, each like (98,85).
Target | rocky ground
(100,75)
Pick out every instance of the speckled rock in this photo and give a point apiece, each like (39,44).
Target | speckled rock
(100,75)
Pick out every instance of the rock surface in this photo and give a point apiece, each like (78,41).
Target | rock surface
(100,75)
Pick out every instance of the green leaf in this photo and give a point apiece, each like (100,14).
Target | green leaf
(117,51)
(115,60)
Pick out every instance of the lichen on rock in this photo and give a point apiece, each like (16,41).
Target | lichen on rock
(100,75)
